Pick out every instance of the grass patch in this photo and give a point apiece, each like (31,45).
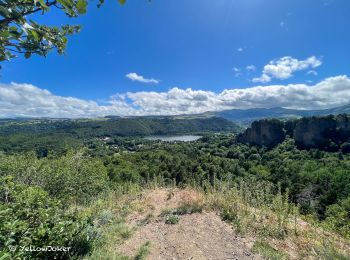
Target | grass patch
(263,248)
(110,222)
(184,209)
(329,252)
(123,231)
(143,252)
(172,216)
(189,208)
(146,220)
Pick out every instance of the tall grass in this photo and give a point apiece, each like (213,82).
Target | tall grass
(110,214)
(258,209)
(264,212)
(253,206)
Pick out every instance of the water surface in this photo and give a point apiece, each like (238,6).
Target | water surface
(178,138)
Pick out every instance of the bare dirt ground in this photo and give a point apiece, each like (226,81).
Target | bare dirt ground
(196,236)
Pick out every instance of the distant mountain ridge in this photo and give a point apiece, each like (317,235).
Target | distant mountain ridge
(116,126)
(242,116)
(246,116)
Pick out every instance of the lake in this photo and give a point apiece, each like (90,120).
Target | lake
(178,138)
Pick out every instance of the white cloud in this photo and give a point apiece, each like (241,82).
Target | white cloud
(264,78)
(240,49)
(26,100)
(134,77)
(312,72)
(237,71)
(250,68)
(30,101)
(284,68)
(330,92)
(282,24)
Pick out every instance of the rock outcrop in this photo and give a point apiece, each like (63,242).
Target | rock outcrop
(324,133)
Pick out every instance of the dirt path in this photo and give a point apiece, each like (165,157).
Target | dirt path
(196,236)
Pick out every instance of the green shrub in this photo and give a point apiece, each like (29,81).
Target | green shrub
(70,178)
(338,217)
(105,217)
(30,219)
(172,219)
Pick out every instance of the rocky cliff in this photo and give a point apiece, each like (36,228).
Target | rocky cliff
(325,133)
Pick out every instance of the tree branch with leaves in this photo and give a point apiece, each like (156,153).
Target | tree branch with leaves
(19,34)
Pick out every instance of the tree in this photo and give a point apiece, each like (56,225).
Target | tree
(19,34)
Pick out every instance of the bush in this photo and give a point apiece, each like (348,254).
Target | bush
(30,219)
(70,178)
(75,177)
(171,219)
(338,217)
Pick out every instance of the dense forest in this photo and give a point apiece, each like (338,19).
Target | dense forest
(43,135)
(49,196)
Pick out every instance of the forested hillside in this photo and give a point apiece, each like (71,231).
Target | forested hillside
(138,126)
(43,135)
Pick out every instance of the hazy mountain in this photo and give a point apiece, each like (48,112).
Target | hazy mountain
(246,116)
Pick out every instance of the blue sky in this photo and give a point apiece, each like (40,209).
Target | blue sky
(204,45)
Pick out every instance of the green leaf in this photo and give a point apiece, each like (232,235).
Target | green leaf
(5,256)
(4,12)
(27,55)
(81,6)
(35,35)
(122,2)
(40,3)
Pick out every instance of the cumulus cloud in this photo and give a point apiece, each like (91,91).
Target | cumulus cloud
(284,68)
(264,78)
(28,100)
(330,92)
(135,77)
